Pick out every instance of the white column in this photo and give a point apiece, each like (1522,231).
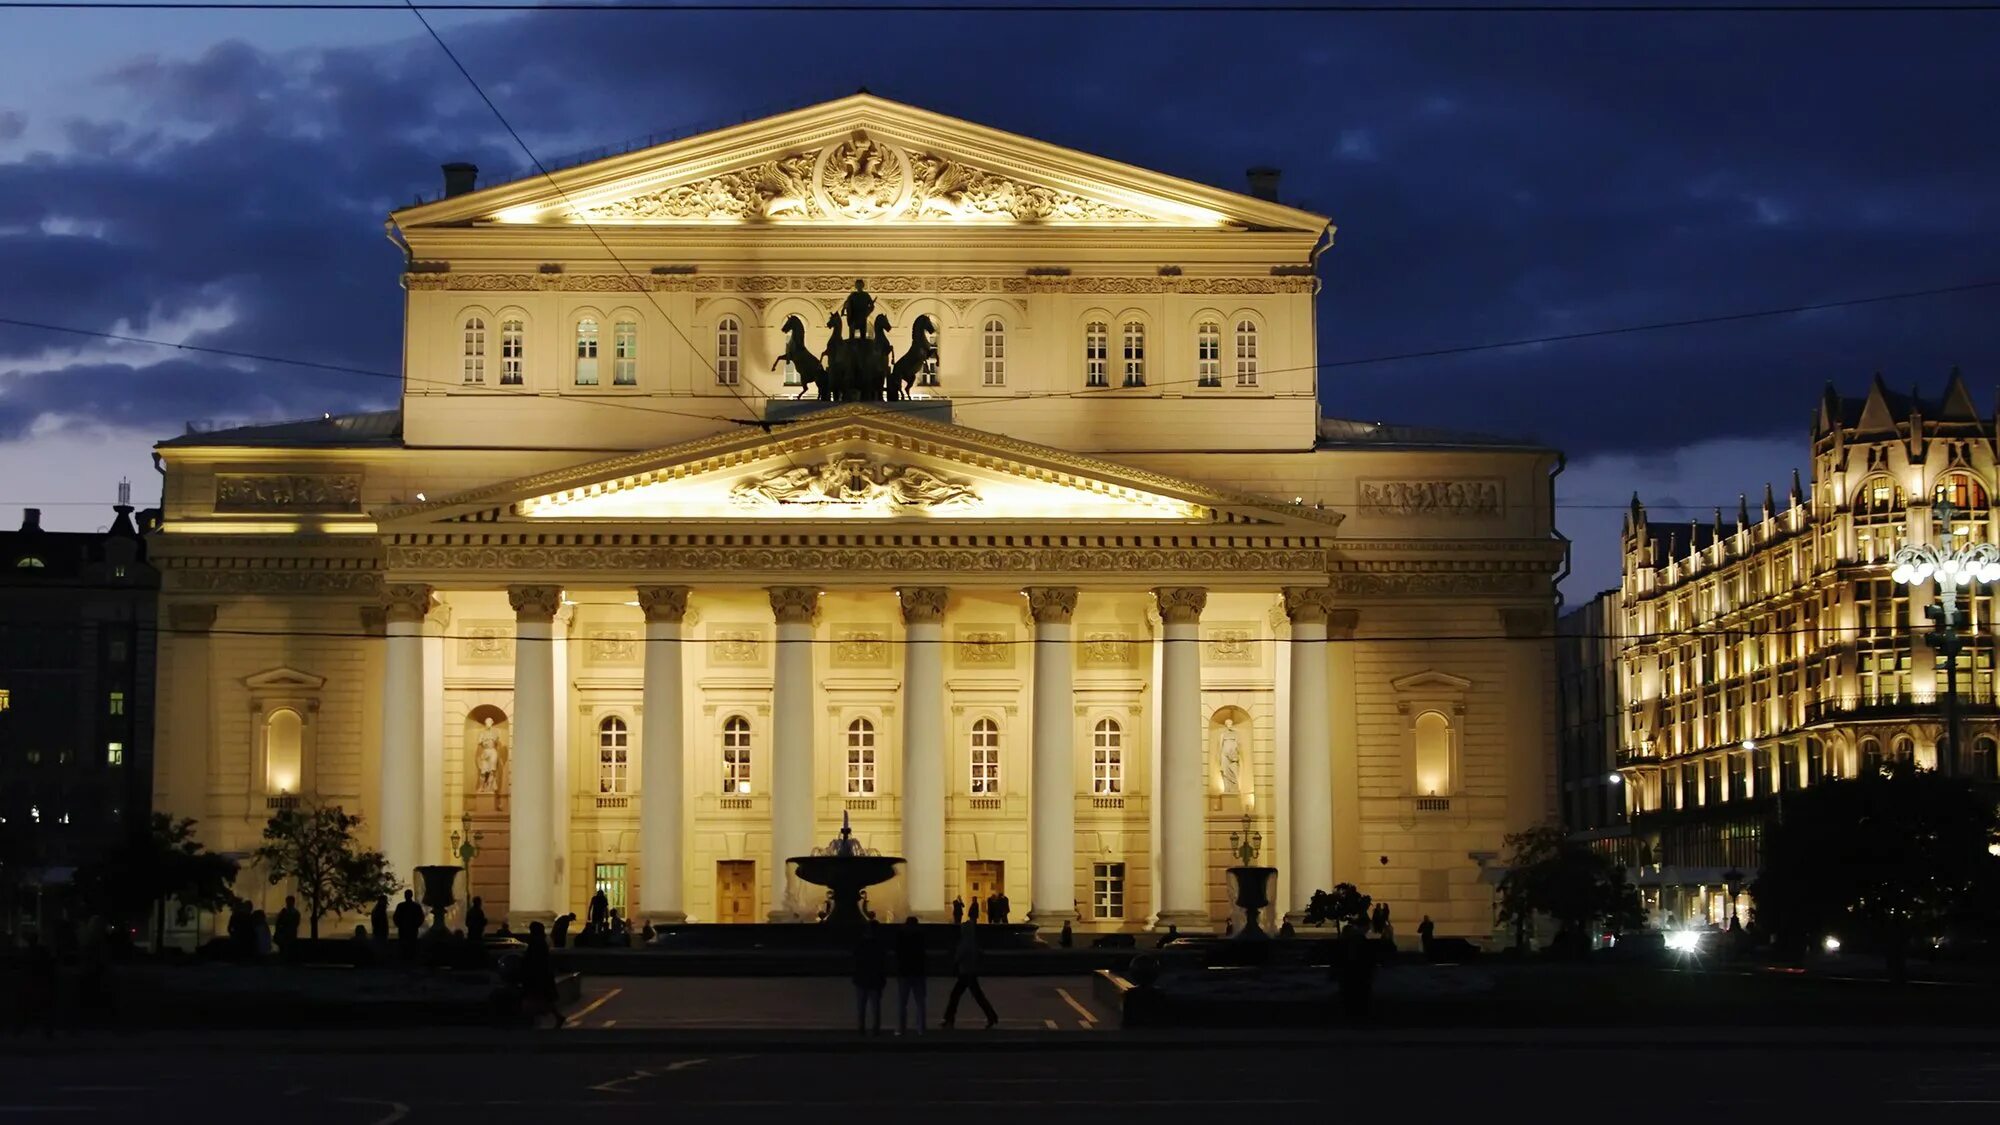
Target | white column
(662,836)
(792,834)
(431,838)
(1309,756)
(1182,849)
(562,748)
(924,748)
(403,730)
(531,818)
(1052,760)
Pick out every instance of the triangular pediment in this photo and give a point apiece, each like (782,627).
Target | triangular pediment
(860,160)
(859,464)
(282,679)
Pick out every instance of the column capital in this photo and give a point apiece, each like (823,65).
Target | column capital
(1181,605)
(535,603)
(1051,605)
(922,605)
(664,605)
(794,605)
(407,601)
(1308,604)
(191,617)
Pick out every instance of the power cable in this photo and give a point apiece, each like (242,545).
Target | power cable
(990,7)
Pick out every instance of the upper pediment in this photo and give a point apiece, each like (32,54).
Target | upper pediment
(859,464)
(861,160)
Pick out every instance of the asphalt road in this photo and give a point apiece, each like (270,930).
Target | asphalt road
(893,1080)
(822,1003)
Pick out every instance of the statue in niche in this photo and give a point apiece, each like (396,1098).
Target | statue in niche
(488,758)
(1229,756)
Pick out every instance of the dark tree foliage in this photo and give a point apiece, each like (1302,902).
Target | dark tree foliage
(1342,904)
(1550,873)
(315,848)
(166,862)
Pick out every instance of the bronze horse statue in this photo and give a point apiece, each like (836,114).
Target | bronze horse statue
(859,366)
(923,346)
(811,372)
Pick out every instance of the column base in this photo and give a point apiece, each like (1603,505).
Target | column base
(1186,921)
(666,917)
(932,916)
(1052,920)
(785,916)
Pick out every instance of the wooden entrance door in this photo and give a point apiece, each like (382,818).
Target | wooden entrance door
(736,890)
(984,878)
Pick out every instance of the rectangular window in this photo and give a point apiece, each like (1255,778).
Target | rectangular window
(1208,352)
(736,758)
(1135,354)
(6,699)
(1096,356)
(985,758)
(791,373)
(625,354)
(512,349)
(1246,354)
(1107,891)
(1107,772)
(586,353)
(114,754)
(861,771)
(610,879)
(993,355)
(117,650)
(117,703)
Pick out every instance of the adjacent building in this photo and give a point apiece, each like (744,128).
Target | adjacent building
(1771,651)
(1589,666)
(1102,597)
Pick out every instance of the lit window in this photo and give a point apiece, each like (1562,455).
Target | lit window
(284,739)
(1246,354)
(861,758)
(736,755)
(1107,891)
(586,352)
(993,354)
(30,563)
(985,758)
(728,351)
(1878,495)
(6,699)
(609,880)
(1433,738)
(513,346)
(1135,354)
(1208,353)
(791,373)
(929,376)
(117,703)
(1961,491)
(474,350)
(613,755)
(114,754)
(1107,762)
(625,354)
(34,757)
(1096,354)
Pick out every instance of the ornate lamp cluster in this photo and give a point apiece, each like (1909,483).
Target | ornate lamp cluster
(1952,567)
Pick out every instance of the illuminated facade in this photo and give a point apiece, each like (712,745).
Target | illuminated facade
(1105,589)
(1773,652)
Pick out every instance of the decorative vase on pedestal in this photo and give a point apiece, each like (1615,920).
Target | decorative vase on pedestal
(1253,894)
(437,893)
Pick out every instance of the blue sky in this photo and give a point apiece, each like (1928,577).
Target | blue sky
(222,177)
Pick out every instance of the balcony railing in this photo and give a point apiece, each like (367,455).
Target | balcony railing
(612,801)
(282,802)
(1882,705)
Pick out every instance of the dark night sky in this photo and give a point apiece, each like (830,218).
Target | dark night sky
(222,178)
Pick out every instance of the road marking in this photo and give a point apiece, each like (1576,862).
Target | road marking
(1082,1011)
(1051,1024)
(577,1018)
(100,1089)
(609,1023)
(617,1085)
(397,1110)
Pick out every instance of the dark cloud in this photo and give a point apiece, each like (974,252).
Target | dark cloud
(13,123)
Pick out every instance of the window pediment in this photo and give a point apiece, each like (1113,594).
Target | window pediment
(282,680)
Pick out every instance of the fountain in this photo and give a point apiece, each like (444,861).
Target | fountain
(845,869)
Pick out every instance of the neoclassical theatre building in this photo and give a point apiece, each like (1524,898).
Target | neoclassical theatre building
(1099,596)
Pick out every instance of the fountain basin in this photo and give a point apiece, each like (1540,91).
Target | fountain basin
(845,877)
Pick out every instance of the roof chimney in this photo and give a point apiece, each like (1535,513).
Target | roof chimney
(31,519)
(1264,183)
(459,178)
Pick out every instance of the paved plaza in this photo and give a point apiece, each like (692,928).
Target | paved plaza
(824,1003)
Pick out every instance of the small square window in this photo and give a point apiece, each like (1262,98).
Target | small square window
(114,754)
(117,703)
(6,699)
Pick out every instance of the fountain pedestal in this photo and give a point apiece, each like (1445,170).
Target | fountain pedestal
(845,869)
(437,894)
(1253,894)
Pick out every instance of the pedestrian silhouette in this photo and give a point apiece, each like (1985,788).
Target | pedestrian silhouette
(242,931)
(1172,933)
(870,976)
(965,962)
(475,922)
(957,910)
(538,978)
(972,911)
(600,911)
(1425,929)
(378,922)
(1068,937)
(562,930)
(286,931)
(912,971)
(409,920)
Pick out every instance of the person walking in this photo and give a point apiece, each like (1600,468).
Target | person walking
(957,910)
(409,920)
(538,979)
(965,962)
(972,911)
(870,976)
(600,913)
(1425,929)
(911,975)
(286,929)
(378,923)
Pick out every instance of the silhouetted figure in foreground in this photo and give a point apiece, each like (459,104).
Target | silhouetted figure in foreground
(599,915)
(1425,929)
(999,910)
(378,922)
(1357,972)
(286,930)
(965,962)
(870,976)
(1173,932)
(972,912)
(1068,936)
(538,979)
(475,922)
(409,922)
(562,930)
(957,910)
(912,974)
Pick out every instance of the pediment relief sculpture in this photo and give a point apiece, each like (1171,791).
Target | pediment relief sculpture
(857,482)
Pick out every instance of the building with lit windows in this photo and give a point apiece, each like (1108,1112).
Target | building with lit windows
(1773,650)
(1105,592)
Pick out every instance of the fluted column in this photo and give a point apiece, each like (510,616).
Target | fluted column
(794,607)
(923,748)
(531,876)
(403,730)
(1179,787)
(662,835)
(1052,754)
(1309,816)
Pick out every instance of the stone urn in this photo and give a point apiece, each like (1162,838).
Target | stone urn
(437,894)
(1253,894)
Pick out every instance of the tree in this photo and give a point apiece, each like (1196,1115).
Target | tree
(1342,904)
(315,848)
(1552,874)
(1881,860)
(141,874)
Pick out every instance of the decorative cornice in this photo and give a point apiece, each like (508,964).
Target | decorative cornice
(406,602)
(287,492)
(1181,605)
(953,558)
(776,285)
(1308,604)
(923,605)
(191,617)
(666,605)
(1413,583)
(252,579)
(1468,498)
(1051,605)
(794,605)
(535,603)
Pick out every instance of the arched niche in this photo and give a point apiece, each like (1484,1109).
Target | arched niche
(479,736)
(1229,743)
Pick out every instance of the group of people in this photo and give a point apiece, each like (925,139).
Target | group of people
(874,954)
(997,909)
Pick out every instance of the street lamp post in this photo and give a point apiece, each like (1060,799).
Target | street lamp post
(1953,567)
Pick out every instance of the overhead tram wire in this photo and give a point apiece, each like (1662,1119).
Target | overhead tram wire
(1013,7)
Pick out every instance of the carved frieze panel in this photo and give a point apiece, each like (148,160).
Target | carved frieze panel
(983,646)
(891,561)
(860,648)
(736,646)
(486,642)
(1108,649)
(611,646)
(850,481)
(287,492)
(1231,642)
(1444,498)
(365,583)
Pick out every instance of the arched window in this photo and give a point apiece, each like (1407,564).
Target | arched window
(474,350)
(1984,753)
(1107,758)
(1208,354)
(513,343)
(625,354)
(1871,757)
(613,755)
(586,352)
(1962,491)
(1246,353)
(1097,354)
(1878,495)
(736,756)
(993,353)
(1433,746)
(284,751)
(1905,750)
(985,758)
(861,758)
(728,352)
(1135,354)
